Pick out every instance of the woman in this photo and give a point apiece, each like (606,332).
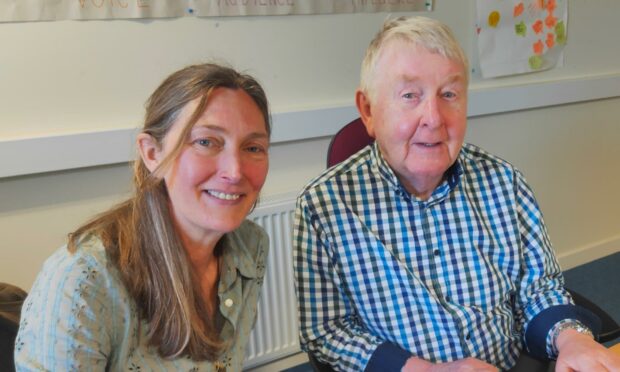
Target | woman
(169,279)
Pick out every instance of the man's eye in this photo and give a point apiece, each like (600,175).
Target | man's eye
(449,95)
(408,95)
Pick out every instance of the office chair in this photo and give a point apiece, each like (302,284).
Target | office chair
(353,137)
(610,330)
(318,366)
(347,141)
(11,299)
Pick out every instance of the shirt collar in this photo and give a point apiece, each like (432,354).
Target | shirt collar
(236,259)
(381,167)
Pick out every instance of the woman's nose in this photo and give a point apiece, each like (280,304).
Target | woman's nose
(230,166)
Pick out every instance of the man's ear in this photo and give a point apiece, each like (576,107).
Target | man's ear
(362,101)
(149,150)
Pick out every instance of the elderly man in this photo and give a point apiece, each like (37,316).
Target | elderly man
(421,252)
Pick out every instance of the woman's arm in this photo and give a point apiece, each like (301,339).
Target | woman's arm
(66,319)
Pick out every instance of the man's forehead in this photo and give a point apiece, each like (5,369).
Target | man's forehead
(407,78)
(411,66)
(401,46)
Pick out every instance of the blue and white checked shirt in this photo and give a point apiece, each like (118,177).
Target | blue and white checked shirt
(460,274)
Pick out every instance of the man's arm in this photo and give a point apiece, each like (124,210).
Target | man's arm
(543,302)
(541,299)
(329,326)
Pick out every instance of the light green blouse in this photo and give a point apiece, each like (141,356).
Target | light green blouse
(79,316)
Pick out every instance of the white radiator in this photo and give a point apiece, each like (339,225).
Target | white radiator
(276,334)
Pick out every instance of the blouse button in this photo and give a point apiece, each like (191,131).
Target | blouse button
(228,302)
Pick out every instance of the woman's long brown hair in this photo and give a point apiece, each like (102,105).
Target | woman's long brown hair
(139,235)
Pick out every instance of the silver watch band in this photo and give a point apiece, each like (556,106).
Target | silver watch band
(563,325)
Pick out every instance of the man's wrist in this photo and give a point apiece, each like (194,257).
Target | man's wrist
(562,326)
(416,364)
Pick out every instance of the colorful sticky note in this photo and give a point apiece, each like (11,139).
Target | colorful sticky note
(535,62)
(560,33)
(521,29)
(518,10)
(550,21)
(537,26)
(538,47)
(494,18)
(539,4)
(550,42)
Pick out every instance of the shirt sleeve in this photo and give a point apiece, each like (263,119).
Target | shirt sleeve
(65,317)
(329,327)
(541,288)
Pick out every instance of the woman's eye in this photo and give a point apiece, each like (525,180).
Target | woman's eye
(205,142)
(255,149)
(449,95)
(408,95)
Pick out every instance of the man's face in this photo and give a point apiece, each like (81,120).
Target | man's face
(417,111)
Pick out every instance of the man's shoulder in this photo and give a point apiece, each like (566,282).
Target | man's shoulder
(474,156)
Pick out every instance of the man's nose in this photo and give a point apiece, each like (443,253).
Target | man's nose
(432,112)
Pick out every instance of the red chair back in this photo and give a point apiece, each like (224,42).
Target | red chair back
(350,139)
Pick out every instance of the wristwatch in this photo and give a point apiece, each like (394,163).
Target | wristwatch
(563,325)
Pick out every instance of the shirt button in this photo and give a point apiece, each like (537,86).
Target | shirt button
(467,336)
(436,252)
(228,302)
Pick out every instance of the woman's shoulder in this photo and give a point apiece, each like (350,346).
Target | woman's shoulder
(89,251)
(251,230)
(87,264)
(251,235)
(76,311)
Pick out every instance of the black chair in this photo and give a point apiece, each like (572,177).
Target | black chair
(318,366)
(11,299)
(610,330)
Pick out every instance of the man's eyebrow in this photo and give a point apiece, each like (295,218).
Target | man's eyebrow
(409,78)
(455,78)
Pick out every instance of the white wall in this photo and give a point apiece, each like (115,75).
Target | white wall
(67,77)
(77,75)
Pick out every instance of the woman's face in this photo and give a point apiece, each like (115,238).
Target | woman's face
(222,165)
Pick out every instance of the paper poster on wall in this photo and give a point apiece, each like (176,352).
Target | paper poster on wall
(520,36)
(46,10)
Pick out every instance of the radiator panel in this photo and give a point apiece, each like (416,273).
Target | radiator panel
(276,333)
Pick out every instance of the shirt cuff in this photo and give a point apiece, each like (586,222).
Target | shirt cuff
(540,326)
(387,357)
